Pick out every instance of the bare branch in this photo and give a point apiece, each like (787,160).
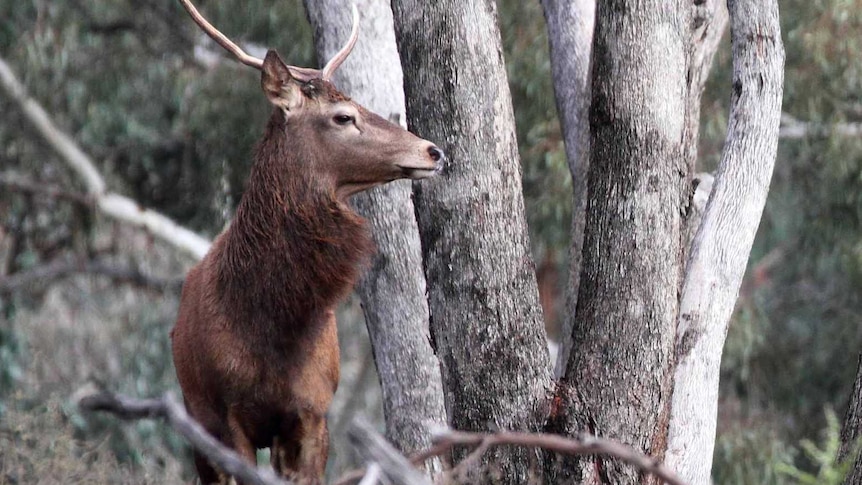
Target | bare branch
(111,204)
(375,449)
(59,269)
(583,444)
(167,408)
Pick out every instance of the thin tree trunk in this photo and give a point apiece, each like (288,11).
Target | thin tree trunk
(393,289)
(708,23)
(618,378)
(851,432)
(570,35)
(723,242)
(485,315)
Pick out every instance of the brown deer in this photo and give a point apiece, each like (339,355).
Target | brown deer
(255,343)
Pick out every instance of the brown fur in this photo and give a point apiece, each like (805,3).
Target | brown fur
(255,344)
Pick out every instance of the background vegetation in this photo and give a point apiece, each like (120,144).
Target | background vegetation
(173,127)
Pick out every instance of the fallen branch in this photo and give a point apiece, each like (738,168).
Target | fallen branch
(59,269)
(584,444)
(167,408)
(111,204)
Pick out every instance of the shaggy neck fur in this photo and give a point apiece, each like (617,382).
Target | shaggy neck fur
(293,250)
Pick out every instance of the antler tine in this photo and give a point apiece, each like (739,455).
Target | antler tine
(339,58)
(220,38)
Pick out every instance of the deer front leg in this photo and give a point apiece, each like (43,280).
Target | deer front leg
(299,451)
(313,447)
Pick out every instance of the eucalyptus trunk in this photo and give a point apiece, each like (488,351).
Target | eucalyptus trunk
(570,37)
(393,288)
(722,245)
(486,320)
(618,378)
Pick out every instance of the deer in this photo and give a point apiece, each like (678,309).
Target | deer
(255,345)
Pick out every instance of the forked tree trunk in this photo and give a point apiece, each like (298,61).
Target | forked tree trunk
(851,432)
(393,289)
(570,35)
(485,314)
(723,242)
(618,379)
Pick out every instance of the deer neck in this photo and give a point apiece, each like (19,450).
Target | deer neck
(293,250)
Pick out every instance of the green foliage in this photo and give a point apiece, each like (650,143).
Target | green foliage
(829,470)
(757,455)
(546,178)
(749,455)
(792,346)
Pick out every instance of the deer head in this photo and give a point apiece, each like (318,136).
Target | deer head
(350,148)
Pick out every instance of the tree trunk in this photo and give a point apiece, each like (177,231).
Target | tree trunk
(618,378)
(708,23)
(852,431)
(393,289)
(485,315)
(570,35)
(722,245)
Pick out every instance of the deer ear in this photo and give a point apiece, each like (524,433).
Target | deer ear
(278,84)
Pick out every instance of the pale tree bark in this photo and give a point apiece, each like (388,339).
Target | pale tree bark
(618,377)
(708,24)
(570,35)
(393,289)
(851,432)
(485,315)
(723,242)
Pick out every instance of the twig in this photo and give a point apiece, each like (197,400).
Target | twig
(395,467)
(167,408)
(111,204)
(58,269)
(470,460)
(582,445)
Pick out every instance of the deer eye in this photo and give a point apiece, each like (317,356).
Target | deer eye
(342,119)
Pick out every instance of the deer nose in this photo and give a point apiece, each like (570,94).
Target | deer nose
(437,155)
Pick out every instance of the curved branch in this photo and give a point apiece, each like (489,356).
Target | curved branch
(583,444)
(167,408)
(723,242)
(111,204)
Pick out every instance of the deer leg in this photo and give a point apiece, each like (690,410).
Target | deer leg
(214,425)
(313,446)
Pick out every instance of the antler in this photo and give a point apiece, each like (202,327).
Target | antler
(300,73)
(341,55)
